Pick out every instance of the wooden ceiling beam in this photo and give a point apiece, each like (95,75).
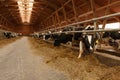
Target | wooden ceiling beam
(101,8)
(53,5)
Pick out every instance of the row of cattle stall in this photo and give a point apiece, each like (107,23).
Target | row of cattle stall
(8,34)
(87,42)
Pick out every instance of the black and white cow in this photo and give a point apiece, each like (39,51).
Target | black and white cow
(9,35)
(63,37)
(84,40)
(48,36)
(112,38)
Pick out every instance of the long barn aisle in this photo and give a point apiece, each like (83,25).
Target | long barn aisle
(18,63)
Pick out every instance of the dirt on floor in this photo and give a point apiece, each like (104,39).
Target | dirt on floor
(4,42)
(65,59)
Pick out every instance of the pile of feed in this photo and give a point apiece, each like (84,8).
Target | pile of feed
(65,59)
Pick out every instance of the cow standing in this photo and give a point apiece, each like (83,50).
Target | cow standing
(85,42)
(112,38)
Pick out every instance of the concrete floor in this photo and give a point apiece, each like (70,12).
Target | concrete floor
(17,62)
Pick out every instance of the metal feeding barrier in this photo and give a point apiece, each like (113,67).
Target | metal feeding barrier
(90,20)
(84,31)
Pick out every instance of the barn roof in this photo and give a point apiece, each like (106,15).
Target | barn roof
(55,13)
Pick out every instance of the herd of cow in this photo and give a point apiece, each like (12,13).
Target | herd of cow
(85,41)
(9,35)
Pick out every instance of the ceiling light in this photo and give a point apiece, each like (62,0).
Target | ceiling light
(25,7)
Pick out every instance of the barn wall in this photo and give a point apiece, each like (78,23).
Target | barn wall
(24,29)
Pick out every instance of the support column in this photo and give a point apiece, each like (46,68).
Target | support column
(75,12)
(95,22)
(64,13)
(58,18)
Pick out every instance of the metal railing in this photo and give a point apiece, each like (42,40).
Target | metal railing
(90,20)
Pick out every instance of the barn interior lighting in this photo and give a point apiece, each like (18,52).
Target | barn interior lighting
(25,9)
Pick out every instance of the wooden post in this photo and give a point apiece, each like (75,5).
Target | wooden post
(75,11)
(58,18)
(101,33)
(64,13)
(95,22)
(55,21)
(104,22)
(107,8)
(76,18)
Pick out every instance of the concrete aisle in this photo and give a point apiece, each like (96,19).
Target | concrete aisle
(18,63)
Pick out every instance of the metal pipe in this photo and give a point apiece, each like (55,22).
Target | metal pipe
(85,31)
(94,19)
